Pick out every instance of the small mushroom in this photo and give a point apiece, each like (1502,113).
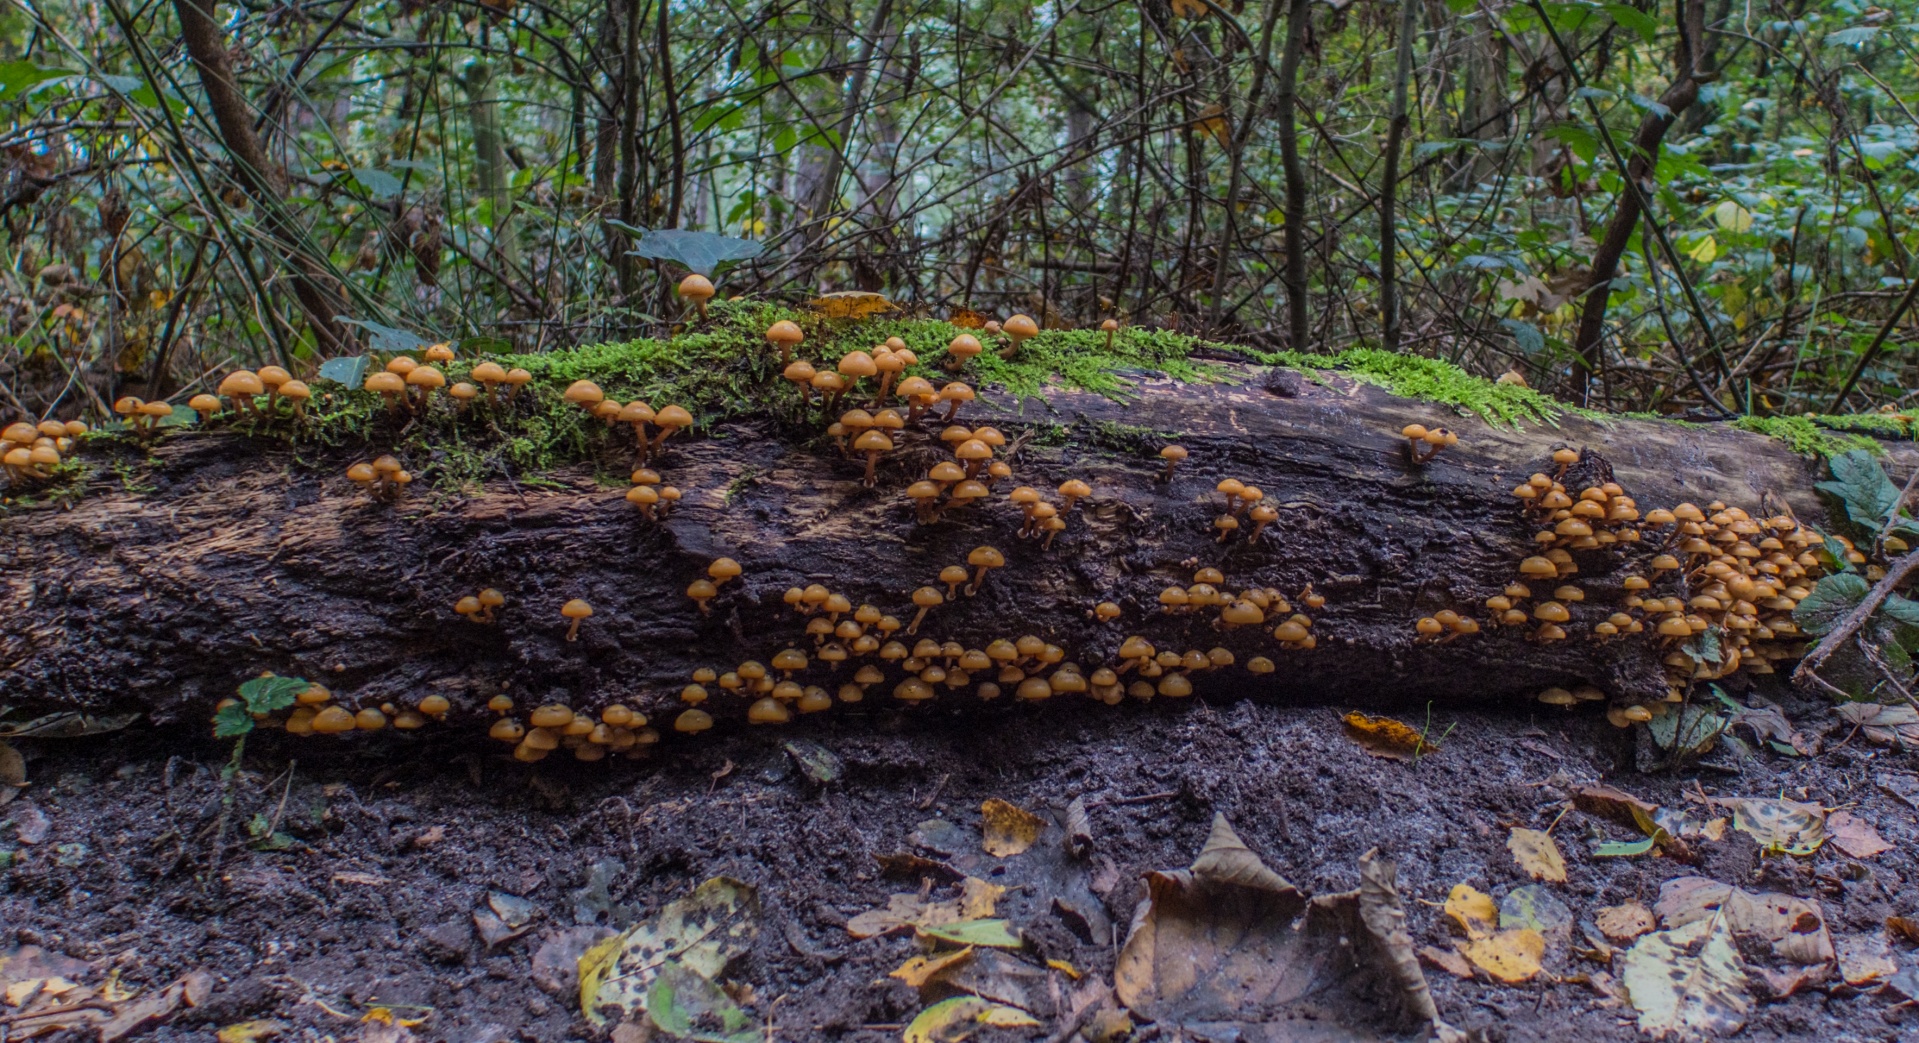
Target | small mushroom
(1018,329)
(983,559)
(873,443)
(919,394)
(585,394)
(1071,492)
(205,405)
(698,289)
(955,395)
(702,591)
(785,335)
(426,378)
(1111,326)
(670,419)
(390,386)
(1172,454)
(961,351)
(515,380)
(239,387)
(575,610)
(490,600)
(1262,515)
(722,570)
(294,391)
(490,375)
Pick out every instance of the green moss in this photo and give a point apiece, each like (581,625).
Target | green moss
(1899,426)
(1415,376)
(1805,435)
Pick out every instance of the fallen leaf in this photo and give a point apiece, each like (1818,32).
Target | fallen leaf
(432,836)
(1896,726)
(1687,981)
(1854,835)
(1472,911)
(361,879)
(1534,907)
(494,931)
(1864,959)
(1006,830)
(1624,922)
(1538,855)
(703,931)
(957,1019)
(1788,934)
(31,825)
(1624,848)
(977,900)
(13,767)
(512,910)
(1212,120)
(1190,8)
(1448,960)
(921,969)
(1616,806)
(816,762)
(251,1031)
(992,934)
(851,304)
(685,1004)
(967,319)
(1231,948)
(1901,785)
(1004,977)
(1778,825)
(1905,927)
(1509,956)
(1387,738)
(1065,968)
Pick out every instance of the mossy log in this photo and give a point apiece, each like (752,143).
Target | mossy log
(214,556)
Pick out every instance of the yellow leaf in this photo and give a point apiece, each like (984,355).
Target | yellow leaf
(1509,956)
(1006,830)
(1190,8)
(850,304)
(1472,910)
(1538,855)
(1732,217)
(1065,968)
(967,319)
(1385,737)
(251,1031)
(1622,923)
(951,1021)
(921,969)
(1212,120)
(977,901)
(1704,250)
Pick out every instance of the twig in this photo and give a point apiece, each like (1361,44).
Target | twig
(1144,798)
(1849,626)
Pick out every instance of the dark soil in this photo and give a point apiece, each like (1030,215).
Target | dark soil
(396,842)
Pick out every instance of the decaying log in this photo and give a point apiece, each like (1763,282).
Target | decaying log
(235,558)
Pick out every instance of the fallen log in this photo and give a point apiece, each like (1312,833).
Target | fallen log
(209,556)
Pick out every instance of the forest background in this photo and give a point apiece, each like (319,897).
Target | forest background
(1699,207)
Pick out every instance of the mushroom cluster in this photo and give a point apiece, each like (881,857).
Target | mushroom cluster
(384,478)
(30,452)
(555,726)
(654,499)
(1245,501)
(1252,607)
(479,608)
(1426,443)
(316,711)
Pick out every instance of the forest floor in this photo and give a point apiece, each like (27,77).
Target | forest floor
(351,882)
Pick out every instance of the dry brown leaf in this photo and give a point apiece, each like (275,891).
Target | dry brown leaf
(977,900)
(1615,806)
(1385,737)
(1212,120)
(1905,927)
(1864,959)
(1624,922)
(1472,911)
(1509,956)
(1854,835)
(1006,830)
(1788,933)
(921,969)
(1190,8)
(1448,960)
(967,319)
(851,304)
(1232,946)
(1538,855)
(13,767)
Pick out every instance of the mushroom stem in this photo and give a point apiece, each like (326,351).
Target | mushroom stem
(978,578)
(872,461)
(914,626)
(886,387)
(1050,533)
(573,632)
(1167,475)
(952,410)
(1258,527)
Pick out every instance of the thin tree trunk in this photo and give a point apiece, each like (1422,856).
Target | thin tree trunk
(1241,135)
(489,160)
(1294,277)
(1389,187)
(314,284)
(629,143)
(827,192)
(1679,96)
(676,186)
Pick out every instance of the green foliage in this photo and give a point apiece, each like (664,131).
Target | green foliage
(1805,436)
(1414,376)
(1869,496)
(264,694)
(1831,598)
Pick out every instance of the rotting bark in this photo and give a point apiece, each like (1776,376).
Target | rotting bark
(241,559)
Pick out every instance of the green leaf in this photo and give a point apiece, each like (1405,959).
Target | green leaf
(387,338)
(270,692)
(685,1004)
(992,934)
(816,762)
(1526,335)
(1629,17)
(1831,598)
(347,369)
(702,252)
(1583,142)
(232,721)
(378,183)
(1862,486)
(1686,733)
(1900,610)
(1623,848)
(18,77)
(1705,647)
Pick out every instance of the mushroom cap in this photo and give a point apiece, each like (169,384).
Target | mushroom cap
(927,597)
(965,346)
(856,420)
(1566,456)
(161,409)
(467,606)
(1551,612)
(24,434)
(386,465)
(293,389)
(642,496)
(799,371)
(768,710)
(428,377)
(1020,327)
(1109,325)
(1075,488)
(923,490)
(576,609)
(441,352)
(1173,452)
(969,490)
(551,715)
(696,287)
(913,387)
(1024,494)
(973,449)
(1265,512)
(608,410)
(1242,612)
(334,720)
(361,473)
(889,419)
(517,377)
(1416,432)
(125,406)
(875,442)
(273,376)
(701,589)
(400,364)
(784,332)
(954,434)
(204,404)
(584,393)
(986,557)
(827,380)
(946,471)
(673,416)
(889,361)
(636,412)
(488,373)
(693,720)
(241,382)
(724,568)
(956,392)
(990,435)
(857,364)
(384,382)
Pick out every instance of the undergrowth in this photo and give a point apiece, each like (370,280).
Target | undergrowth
(723,370)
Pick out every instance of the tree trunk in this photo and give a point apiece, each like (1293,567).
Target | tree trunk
(217,556)
(1297,322)
(315,285)
(1589,341)
(1389,179)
